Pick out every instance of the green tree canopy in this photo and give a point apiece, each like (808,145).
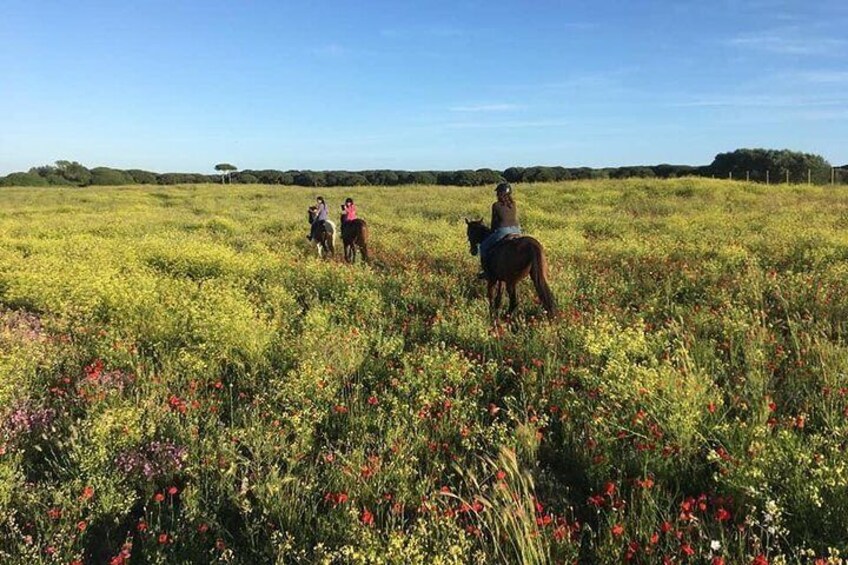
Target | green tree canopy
(23,179)
(74,172)
(225,169)
(777,163)
(104,176)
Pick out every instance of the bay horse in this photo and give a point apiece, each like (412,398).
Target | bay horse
(354,234)
(512,259)
(325,240)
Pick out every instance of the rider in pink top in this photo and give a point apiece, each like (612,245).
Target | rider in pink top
(349,209)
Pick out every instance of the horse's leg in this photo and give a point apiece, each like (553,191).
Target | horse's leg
(513,297)
(499,296)
(363,249)
(490,290)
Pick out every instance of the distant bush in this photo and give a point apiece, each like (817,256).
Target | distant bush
(105,176)
(488,176)
(761,164)
(245,178)
(758,163)
(423,177)
(24,179)
(142,177)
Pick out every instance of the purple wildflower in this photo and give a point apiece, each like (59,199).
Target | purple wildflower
(26,418)
(156,460)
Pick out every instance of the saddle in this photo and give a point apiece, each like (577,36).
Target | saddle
(504,239)
(508,237)
(322,226)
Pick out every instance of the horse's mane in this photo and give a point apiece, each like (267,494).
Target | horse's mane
(480,226)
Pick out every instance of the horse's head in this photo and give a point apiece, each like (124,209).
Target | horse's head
(476,231)
(313,213)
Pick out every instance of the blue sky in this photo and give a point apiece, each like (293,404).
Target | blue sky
(181,85)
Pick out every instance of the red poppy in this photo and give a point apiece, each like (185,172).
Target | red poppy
(159,497)
(81,525)
(87,493)
(366,517)
(617,530)
(760,560)
(163,539)
(722,515)
(173,490)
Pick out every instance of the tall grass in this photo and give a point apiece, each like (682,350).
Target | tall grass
(182,380)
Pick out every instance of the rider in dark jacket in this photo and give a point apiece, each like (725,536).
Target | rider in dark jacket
(504,222)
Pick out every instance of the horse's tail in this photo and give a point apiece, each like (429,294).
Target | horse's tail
(333,232)
(539,274)
(363,238)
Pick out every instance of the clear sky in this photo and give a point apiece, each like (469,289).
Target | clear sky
(180,85)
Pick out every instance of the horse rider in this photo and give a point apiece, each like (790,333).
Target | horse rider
(322,215)
(504,223)
(348,210)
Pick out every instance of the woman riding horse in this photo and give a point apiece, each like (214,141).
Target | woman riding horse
(507,261)
(321,216)
(324,236)
(504,223)
(354,232)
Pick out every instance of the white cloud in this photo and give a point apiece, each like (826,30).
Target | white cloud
(331,50)
(789,42)
(422,32)
(824,77)
(509,124)
(486,108)
(761,101)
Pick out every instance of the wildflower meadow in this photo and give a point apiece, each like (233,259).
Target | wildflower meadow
(183,380)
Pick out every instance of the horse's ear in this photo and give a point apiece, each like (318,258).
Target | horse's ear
(480,221)
(467,221)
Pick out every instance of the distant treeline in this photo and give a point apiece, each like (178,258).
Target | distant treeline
(762,165)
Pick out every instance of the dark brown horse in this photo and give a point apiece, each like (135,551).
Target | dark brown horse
(325,236)
(508,262)
(354,234)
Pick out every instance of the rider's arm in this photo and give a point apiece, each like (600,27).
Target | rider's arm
(496,216)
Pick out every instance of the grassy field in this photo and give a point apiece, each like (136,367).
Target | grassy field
(182,380)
